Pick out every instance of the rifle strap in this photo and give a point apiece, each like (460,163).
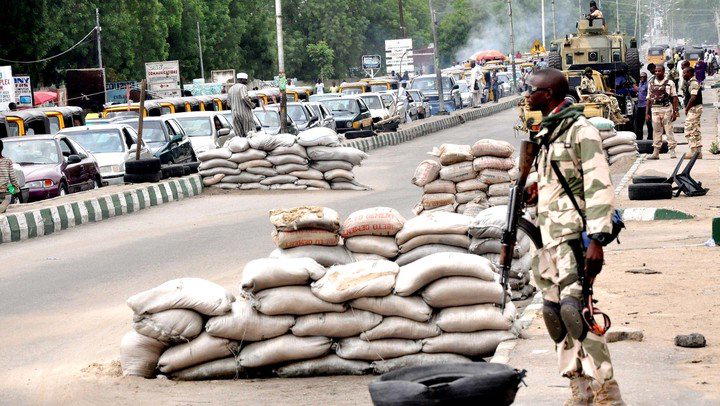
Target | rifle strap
(568,191)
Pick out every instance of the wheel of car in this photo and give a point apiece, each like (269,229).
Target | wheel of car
(63,188)
(97,183)
(650,191)
(142,166)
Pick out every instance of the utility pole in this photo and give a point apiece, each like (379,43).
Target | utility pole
(717,25)
(282,81)
(580,8)
(554,21)
(512,44)
(438,72)
(99,47)
(617,15)
(403,31)
(637,16)
(143,86)
(542,17)
(202,68)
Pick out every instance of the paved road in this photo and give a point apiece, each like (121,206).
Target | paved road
(63,295)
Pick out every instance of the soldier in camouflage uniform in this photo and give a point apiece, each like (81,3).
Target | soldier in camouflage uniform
(570,141)
(587,90)
(693,100)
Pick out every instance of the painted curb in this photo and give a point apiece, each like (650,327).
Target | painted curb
(394,138)
(35,223)
(653,213)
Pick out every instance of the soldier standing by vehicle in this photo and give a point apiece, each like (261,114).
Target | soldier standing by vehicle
(663,103)
(693,100)
(595,13)
(571,153)
(241,105)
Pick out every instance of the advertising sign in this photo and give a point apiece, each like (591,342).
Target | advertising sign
(23,91)
(117,92)
(163,78)
(86,88)
(222,76)
(394,51)
(7,87)
(371,62)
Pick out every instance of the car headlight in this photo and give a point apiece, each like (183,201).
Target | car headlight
(112,169)
(40,184)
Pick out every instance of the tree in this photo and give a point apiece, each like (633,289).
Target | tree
(322,58)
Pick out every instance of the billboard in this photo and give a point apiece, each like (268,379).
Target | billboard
(222,76)
(163,79)
(371,62)
(23,91)
(7,87)
(117,92)
(394,51)
(85,88)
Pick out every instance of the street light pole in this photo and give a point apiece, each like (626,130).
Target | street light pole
(281,67)
(542,17)
(617,15)
(202,67)
(402,19)
(554,21)
(97,36)
(512,44)
(438,73)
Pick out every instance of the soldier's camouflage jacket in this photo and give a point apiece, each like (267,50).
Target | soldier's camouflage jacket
(577,148)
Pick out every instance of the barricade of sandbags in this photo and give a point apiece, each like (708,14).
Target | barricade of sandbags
(370,233)
(616,144)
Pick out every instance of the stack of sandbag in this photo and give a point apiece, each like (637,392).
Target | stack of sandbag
(332,160)
(370,233)
(461,178)
(486,231)
(616,144)
(430,233)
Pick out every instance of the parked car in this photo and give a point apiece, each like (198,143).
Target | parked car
(324,96)
(206,129)
(376,106)
(24,195)
(269,119)
(110,144)
(228,116)
(326,118)
(350,113)
(420,104)
(53,165)
(165,139)
(302,116)
(451,91)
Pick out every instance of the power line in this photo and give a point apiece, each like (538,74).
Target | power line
(54,56)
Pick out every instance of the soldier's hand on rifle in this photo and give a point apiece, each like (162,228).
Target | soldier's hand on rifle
(594,258)
(531,194)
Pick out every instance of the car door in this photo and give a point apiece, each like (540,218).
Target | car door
(224,123)
(74,173)
(91,171)
(175,150)
(184,146)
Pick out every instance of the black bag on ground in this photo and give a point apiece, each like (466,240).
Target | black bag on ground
(448,384)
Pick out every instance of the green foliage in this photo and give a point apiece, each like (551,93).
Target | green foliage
(322,58)
(714,148)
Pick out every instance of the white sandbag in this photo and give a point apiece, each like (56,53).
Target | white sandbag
(252,186)
(244,323)
(224,368)
(450,208)
(345,324)
(489,223)
(283,349)
(360,279)
(349,154)
(367,257)
(325,256)
(213,180)
(400,327)
(309,174)
(287,186)
(299,238)
(320,184)
(266,273)
(499,189)
(426,172)
(466,319)
(268,142)
(294,300)
(294,149)
(219,171)
(237,144)
(380,221)
(319,136)
(433,223)
(619,149)
(260,170)
(458,172)
(139,354)
(415,275)
(602,124)
(288,168)
(416,360)
(493,176)
(276,180)
(304,217)
(329,365)
(454,153)
(202,349)
(480,246)
(621,137)
(278,160)
(373,244)
(356,348)
(411,307)
(342,185)
(472,209)
(338,175)
(461,291)
(196,294)
(497,148)
(246,156)
(457,240)
(469,196)
(498,200)
(618,157)
(477,344)
(324,166)
(217,163)
(218,153)
(471,184)
(244,177)
(425,250)
(605,134)
(434,200)
(492,162)
(225,185)
(440,186)
(169,326)
(254,164)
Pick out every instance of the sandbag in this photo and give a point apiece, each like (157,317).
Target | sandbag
(139,354)
(497,148)
(294,300)
(425,250)
(324,166)
(266,273)
(461,291)
(275,180)
(356,348)
(295,149)
(308,174)
(618,157)
(360,279)
(247,156)
(318,136)
(622,137)
(367,257)
(268,142)
(471,184)
(482,246)
(346,324)
(400,327)
(499,189)
(254,164)
(204,348)
(196,294)
(225,185)
(415,275)
(477,344)
(218,153)
(470,196)
(325,256)
(169,326)
(472,209)
(450,208)
(426,172)
(493,176)
(440,186)
(434,200)
(458,172)
(302,217)
(224,368)
(412,307)
(349,154)
(416,360)
(381,221)
(320,184)
(491,162)
(453,153)
(433,223)
(329,365)
(237,144)
(338,175)
(602,124)
(498,200)
(372,244)
(605,134)
(489,223)
(457,240)
(342,185)
(299,238)
(283,349)
(288,168)
(466,319)
(217,163)
(261,170)
(213,180)
(244,177)
(219,171)
(619,149)
(252,186)
(244,323)
(278,160)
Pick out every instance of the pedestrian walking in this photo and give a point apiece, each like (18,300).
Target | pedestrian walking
(663,104)
(8,180)
(241,106)
(640,119)
(488,85)
(693,100)
(700,68)
(495,87)
(571,153)
(474,84)
(319,87)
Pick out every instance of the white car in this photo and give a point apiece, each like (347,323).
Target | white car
(110,144)
(205,129)
(376,105)
(465,93)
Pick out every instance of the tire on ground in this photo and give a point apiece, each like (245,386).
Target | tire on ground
(143,178)
(650,191)
(175,170)
(142,166)
(648,179)
(646,147)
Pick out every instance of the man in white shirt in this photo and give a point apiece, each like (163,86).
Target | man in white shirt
(474,85)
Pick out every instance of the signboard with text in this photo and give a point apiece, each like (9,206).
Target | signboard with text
(23,91)
(223,76)
(394,51)
(7,87)
(118,92)
(371,62)
(163,78)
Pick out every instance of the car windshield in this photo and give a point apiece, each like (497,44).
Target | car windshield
(655,52)
(97,121)
(195,126)
(268,118)
(352,90)
(152,130)
(378,88)
(122,113)
(31,152)
(98,141)
(297,113)
(429,84)
(342,106)
(373,102)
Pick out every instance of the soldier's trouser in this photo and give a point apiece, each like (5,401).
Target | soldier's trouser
(692,127)
(555,274)
(662,119)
